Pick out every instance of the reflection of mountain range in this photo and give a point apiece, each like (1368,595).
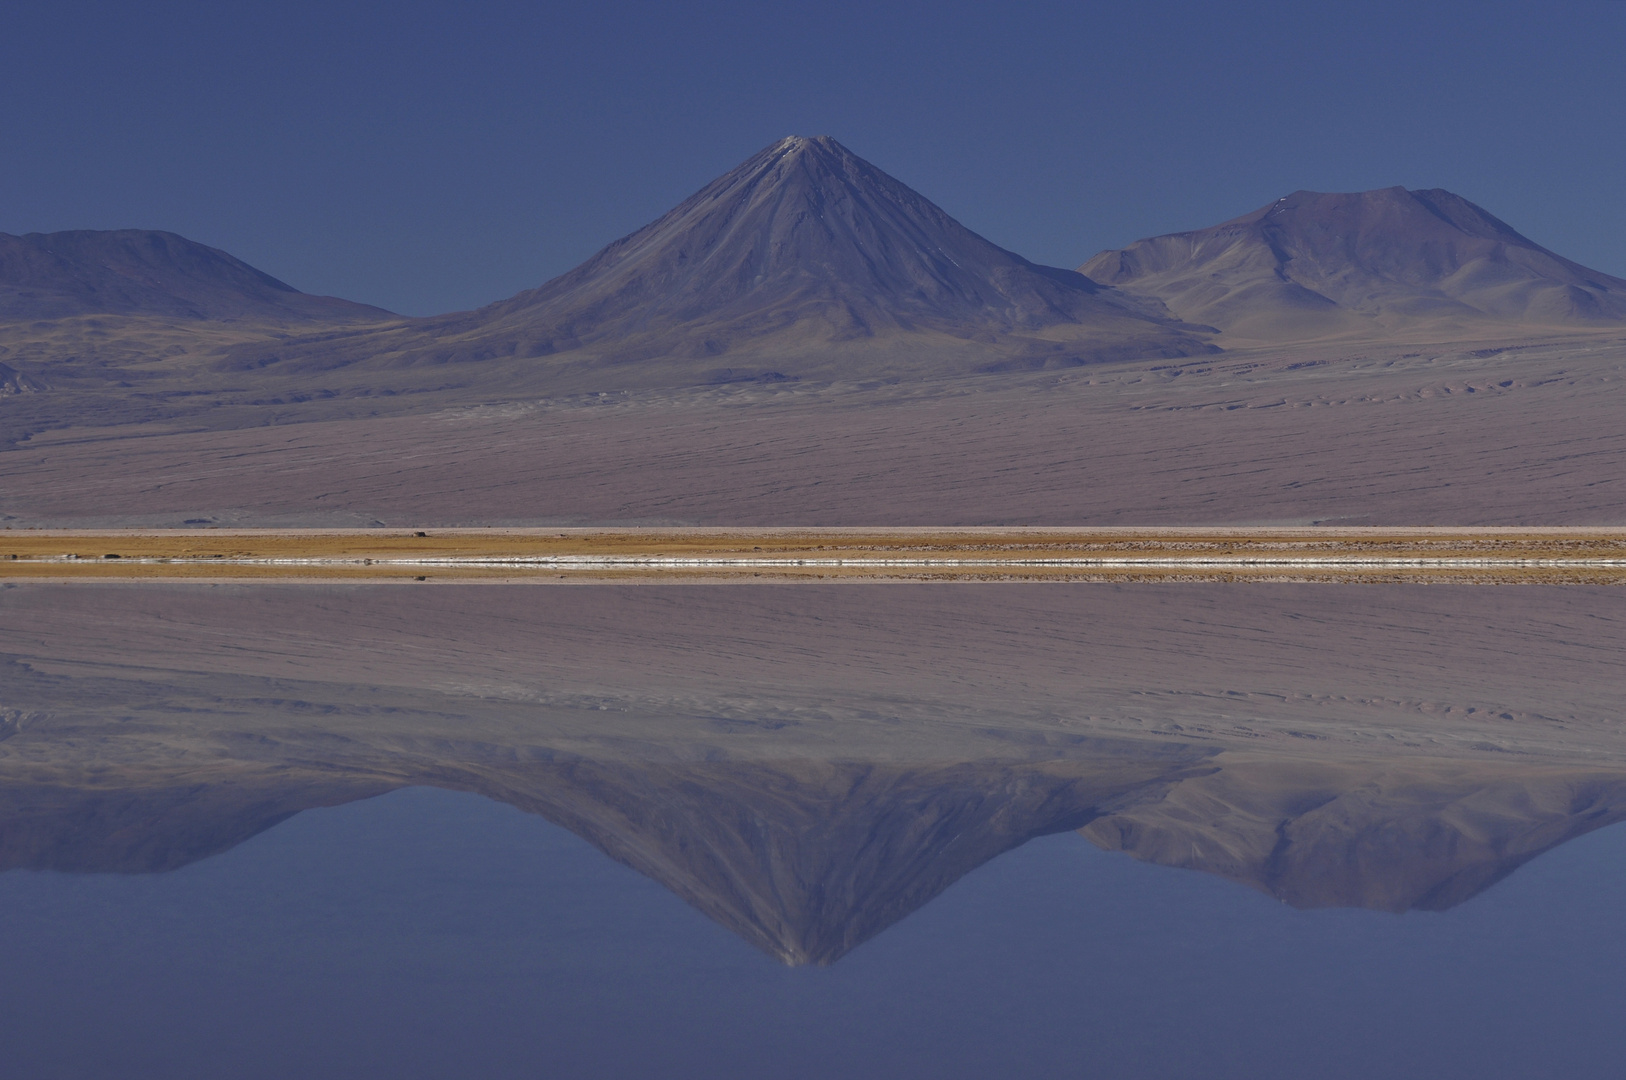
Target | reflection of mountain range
(804,859)
(1392,835)
(143,829)
(806,764)
(808,859)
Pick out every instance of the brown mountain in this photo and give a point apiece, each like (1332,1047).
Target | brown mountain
(805,259)
(1372,263)
(137,272)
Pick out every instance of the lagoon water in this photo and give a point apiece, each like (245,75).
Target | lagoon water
(428,934)
(805,831)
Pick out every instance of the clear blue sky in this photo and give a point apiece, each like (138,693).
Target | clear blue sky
(434,156)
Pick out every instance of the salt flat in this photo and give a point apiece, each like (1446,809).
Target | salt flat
(1515,433)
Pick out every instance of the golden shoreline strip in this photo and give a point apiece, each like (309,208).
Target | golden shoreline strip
(1593,555)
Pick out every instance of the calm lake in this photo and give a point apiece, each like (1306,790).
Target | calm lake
(1174,830)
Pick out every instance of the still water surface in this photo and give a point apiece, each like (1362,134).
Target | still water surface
(1146,831)
(427,933)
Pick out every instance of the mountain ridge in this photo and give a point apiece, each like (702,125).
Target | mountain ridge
(1362,264)
(805,258)
(147,272)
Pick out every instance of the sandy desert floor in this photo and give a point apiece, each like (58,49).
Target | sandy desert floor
(1466,434)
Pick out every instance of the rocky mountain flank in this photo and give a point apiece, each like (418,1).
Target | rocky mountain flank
(1371,264)
(806,234)
(158,274)
(804,260)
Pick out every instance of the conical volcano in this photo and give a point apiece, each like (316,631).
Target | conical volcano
(806,232)
(1365,264)
(805,259)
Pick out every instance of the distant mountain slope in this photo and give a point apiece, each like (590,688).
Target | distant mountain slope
(805,232)
(1313,264)
(13,381)
(137,272)
(804,258)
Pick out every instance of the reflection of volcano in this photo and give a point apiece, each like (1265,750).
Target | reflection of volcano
(808,858)
(804,859)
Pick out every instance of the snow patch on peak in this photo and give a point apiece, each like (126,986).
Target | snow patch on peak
(807,142)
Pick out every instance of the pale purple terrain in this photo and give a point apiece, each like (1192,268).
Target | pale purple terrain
(807,341)
(1434,439)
